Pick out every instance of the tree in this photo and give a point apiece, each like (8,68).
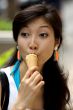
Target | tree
(12,7)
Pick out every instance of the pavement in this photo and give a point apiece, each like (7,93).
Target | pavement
(66,59)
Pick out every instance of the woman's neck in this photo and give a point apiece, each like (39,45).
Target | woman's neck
(23,69)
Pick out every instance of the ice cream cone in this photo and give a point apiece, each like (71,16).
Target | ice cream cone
(31,60)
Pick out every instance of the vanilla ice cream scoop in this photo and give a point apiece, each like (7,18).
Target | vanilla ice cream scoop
(31,60)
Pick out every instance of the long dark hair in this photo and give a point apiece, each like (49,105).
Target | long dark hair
(56,94)
(4,91)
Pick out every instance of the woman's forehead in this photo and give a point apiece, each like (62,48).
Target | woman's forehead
(38,22)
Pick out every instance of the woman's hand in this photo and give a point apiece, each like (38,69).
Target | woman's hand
(30,86)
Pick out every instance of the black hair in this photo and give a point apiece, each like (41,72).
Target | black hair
(56,93)
(4,91)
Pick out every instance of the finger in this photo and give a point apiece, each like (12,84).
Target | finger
(29,72)
(39,85)
(33,76)
(37,79)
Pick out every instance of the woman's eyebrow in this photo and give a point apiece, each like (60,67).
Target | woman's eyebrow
(26,26)
(44,26)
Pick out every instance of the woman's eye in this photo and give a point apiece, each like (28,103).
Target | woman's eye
(25,34)
(44,35)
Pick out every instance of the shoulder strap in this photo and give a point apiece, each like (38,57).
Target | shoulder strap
(5,91)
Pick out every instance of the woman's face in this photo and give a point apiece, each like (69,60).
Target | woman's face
(37,37)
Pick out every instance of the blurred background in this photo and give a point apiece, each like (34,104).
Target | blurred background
(8,8)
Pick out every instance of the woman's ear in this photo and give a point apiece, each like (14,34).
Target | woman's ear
(57,43)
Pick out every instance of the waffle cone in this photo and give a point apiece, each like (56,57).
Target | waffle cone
(31,60)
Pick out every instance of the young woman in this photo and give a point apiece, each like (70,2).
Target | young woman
(37,30)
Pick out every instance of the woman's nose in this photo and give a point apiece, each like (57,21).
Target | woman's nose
(33,44)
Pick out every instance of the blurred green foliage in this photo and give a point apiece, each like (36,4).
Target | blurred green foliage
(6,56)
(5,25)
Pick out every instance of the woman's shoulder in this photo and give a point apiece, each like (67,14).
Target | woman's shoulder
(12,86)
(7,70)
